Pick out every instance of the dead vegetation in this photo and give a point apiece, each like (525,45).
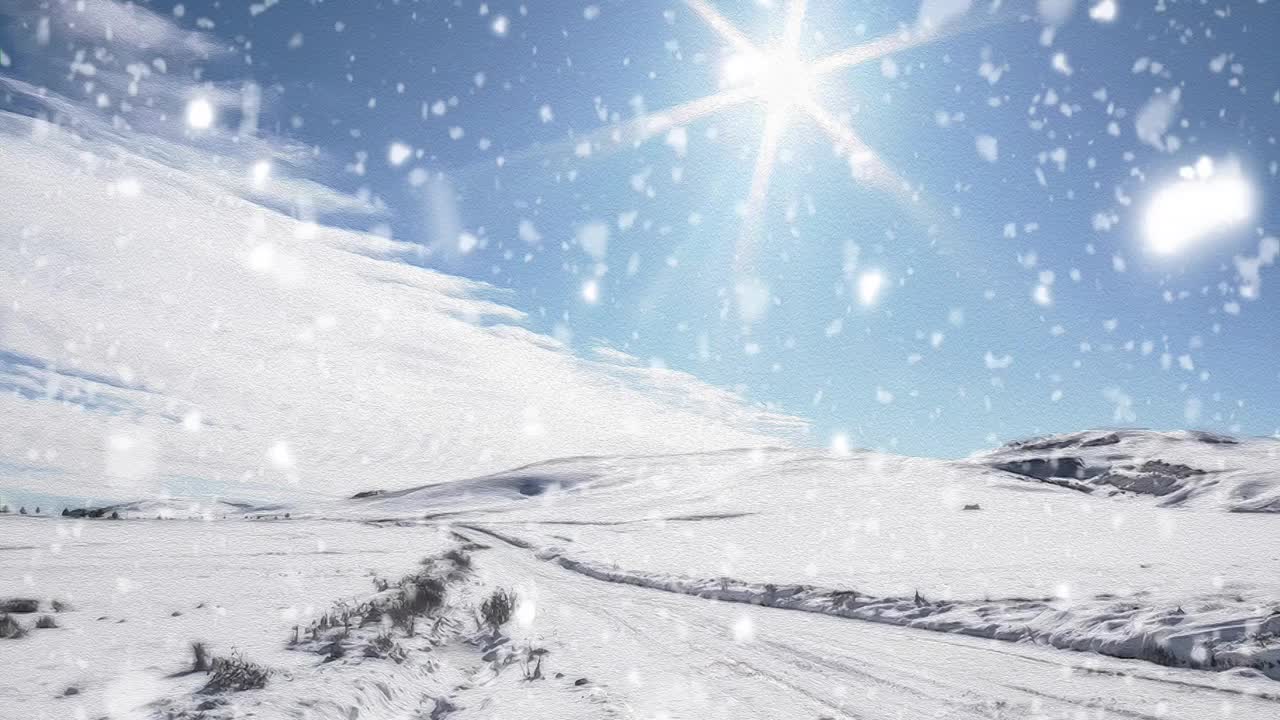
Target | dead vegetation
(199,657)
(497,609)
(19,605)
(235,673)
(10,628)
(410,607)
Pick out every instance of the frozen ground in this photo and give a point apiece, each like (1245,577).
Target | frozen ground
(735,584)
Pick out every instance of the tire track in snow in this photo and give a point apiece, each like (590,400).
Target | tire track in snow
(1018,625)
(903,678)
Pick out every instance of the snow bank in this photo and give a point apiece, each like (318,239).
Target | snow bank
(1205,635)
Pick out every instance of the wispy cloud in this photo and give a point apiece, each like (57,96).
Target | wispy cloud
(121,24)
(124,74)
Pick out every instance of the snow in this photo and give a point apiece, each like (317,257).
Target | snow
(988,148)
(315,359)
(679,584)
(1011,556)
(1155,117)
(141,591)
(200,114)
(1104,11)
(870,285)
(1197,470)
(249,267)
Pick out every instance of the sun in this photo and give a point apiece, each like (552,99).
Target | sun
(783,79)
(777,78)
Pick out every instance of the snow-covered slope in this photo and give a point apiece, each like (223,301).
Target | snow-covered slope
(1191,469)
(161,335)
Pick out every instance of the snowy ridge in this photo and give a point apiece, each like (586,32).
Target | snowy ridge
(616,478)
(1182,468)
(306,358)
(179,509)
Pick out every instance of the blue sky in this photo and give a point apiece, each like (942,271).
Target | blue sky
(1016,139)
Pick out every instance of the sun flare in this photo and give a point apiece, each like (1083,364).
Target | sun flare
(777,78)
(1204,201)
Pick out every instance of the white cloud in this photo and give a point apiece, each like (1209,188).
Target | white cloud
(144,98)
(129,25)
(398,153)
(121,319)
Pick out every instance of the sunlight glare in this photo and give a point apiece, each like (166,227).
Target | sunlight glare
(260,174)
(777,78)
(200,114)
(870,284)
(1104,12)
(1202,202)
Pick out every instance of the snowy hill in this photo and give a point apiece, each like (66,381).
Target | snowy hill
(1186,469)
(364,367)
(960,546)
(178,509)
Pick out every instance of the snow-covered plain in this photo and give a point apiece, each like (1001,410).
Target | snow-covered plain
(140,592)
(751,583)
